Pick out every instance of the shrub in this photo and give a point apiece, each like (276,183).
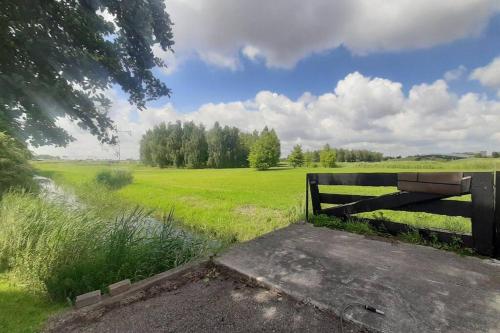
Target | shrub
(15,170)
(114,179)
(69,252)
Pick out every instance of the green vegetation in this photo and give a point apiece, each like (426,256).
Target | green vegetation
(114,179)
(15,171)
(67,252)
(357,155)
(187,145)
(343,155)
(359,226)
(232,204)
(22,310)
(241,204)
(266,151)
(296,157)
(327,157)
(79,54)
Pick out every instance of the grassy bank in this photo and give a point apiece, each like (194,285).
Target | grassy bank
(66,252)
(51,252)
(21,309)
(243,203)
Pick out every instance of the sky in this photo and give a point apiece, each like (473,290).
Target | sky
(402,77)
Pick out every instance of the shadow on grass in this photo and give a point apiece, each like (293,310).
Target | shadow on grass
(22,310)
(277,169)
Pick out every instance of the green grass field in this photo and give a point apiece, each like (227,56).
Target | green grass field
(240,204)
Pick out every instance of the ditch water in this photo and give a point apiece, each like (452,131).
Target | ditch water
(54,193)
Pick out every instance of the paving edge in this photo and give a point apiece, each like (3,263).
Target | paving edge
(267,284)
(165,281)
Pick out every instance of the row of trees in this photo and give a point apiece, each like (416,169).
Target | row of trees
(192,146)
(327,156)
(346,155)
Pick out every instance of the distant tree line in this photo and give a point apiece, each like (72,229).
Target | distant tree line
(192,146)
(327,156)
(345,155)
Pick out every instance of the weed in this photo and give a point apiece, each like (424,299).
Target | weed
(67,252)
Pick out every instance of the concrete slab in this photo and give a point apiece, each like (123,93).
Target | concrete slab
(119,287)
(419,288)
(88,299)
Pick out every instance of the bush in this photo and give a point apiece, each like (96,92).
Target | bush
(69,252)
(114,179)
(15,170)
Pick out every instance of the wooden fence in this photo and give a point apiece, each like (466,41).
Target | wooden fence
(485,218)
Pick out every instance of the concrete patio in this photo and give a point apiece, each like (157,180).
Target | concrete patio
(419,288)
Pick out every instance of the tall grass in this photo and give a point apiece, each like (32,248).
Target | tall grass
(66,252)
(114,179)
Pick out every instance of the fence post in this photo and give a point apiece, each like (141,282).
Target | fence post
(313,187)
(483,212)
(497,215)
(307,198)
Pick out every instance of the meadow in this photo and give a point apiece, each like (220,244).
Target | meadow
(240,204)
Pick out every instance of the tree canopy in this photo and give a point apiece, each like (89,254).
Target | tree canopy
(58,57)
(14,167)
(266,151)
(327,157)
(296,157)
(191,146)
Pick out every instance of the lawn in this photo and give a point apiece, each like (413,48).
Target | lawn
(22,311)
(241,204)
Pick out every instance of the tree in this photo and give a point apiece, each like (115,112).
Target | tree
(296,158)
(225,148)
(194,145)
(327,157)
(266,151)
(308,158)
(215,147)
(15,171)
(58,57)
(146,148)
(161,155)
(247,141)
(174,144)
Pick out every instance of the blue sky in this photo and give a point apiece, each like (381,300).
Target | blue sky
(197,82)
(401,77)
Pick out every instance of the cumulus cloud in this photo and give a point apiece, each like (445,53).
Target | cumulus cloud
(284,31)
(360,112)
(489,75)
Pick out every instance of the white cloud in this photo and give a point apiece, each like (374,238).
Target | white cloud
(489,75)
(360,112)
(251,52)
(455,74)
(283,32)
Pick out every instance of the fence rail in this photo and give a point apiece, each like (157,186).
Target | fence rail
(483,209)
